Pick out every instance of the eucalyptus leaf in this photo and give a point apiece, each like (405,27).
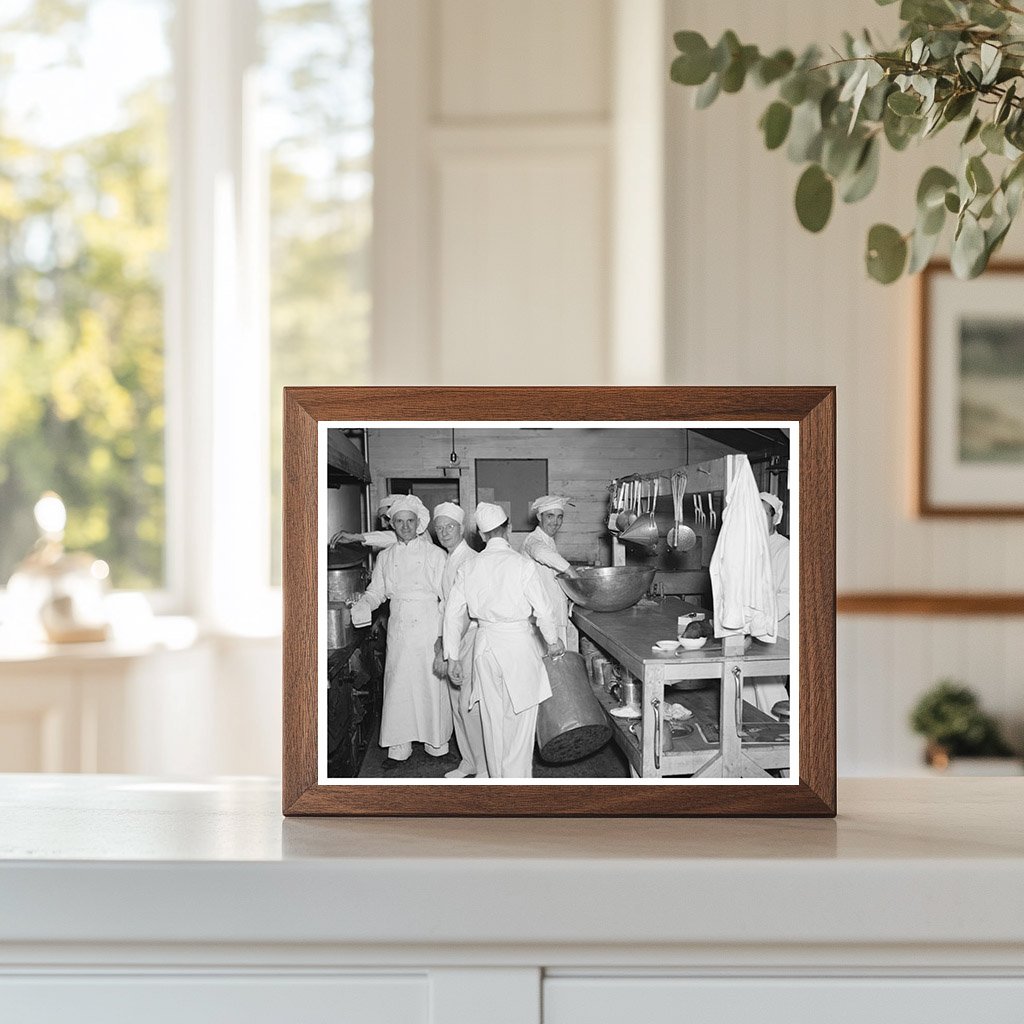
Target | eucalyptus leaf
(707,93)
(735,74)
(886,253)
(993,138)
(805,133)
(978,176)
(771,69)
(724,51)
(987,15)
(873,106)
(932,221)
(775,124)
(931,190)
(1005,104)
(968,247)
(840,152)
(814,194)
(922,248)
(973,129)
(865,173)
(902,103)
(794,88)
(958,105)
(952,202)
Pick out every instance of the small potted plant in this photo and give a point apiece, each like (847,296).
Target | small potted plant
(950,718)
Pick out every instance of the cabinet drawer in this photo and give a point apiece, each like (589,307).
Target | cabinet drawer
(223,999)
(569,1000)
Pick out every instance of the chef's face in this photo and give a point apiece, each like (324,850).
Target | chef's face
(770,512)
(550,522)
(385,520)
(449,532)
(405,526)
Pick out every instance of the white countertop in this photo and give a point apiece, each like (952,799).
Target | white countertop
(123,859)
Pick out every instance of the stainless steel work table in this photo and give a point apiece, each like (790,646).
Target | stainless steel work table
(628,637)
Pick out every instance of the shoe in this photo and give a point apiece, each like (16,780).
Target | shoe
(459,773)
(436,751)
(400,752)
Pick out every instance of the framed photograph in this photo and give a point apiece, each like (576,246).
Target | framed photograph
(970,450)
(652,633)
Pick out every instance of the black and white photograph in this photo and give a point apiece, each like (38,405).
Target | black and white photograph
(558,602)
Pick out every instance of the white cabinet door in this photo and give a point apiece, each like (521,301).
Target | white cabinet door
(570,1000)
(202,999)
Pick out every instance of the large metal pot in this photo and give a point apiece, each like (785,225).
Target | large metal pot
(340,631)
(346,583)
(571,723)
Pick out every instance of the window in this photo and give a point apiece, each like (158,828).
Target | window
(185,218)
(83,237)
(317,118)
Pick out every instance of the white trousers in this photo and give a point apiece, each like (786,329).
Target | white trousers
(508,736)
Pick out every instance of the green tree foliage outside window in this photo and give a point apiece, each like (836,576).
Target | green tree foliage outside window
(83,215)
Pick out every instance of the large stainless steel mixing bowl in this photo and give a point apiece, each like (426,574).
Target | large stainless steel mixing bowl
(609,589)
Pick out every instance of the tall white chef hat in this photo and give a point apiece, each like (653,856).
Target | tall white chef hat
(385,503)
(489,517)
(410,503)
(549,503)
(451,510)
(775,503)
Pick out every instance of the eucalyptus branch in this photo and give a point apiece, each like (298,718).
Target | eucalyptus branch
(834,116)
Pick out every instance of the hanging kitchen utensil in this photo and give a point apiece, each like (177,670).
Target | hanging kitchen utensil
(643,531)
(613,515)
(714,514)
(673,534)
(627,516)
(686,539)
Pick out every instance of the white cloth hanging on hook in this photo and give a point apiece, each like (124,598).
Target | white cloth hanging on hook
(742,585)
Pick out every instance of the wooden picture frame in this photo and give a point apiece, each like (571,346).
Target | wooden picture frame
(969,447)
(810,411)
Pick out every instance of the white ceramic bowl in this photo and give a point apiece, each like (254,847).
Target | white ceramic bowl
(692,643)
(666,645)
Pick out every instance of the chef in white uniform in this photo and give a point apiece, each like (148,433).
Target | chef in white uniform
(416,703)
(449,525)
(502,589)
(540,546)
(377,539)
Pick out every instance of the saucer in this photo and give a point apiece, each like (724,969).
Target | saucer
(624,713)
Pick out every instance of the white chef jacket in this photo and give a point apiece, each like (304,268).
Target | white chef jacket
(416,703)
(778,551)
(742,584)
(462,554)
(502,589)
(465,699)
(540,546)
(379,539)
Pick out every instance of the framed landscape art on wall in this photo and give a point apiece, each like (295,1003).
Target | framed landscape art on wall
(970,450)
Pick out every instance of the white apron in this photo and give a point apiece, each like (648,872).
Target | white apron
(416,704)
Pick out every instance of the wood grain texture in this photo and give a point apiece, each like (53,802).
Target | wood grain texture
(812,407)
(924,603)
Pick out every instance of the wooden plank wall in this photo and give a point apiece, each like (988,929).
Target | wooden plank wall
(581,463)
